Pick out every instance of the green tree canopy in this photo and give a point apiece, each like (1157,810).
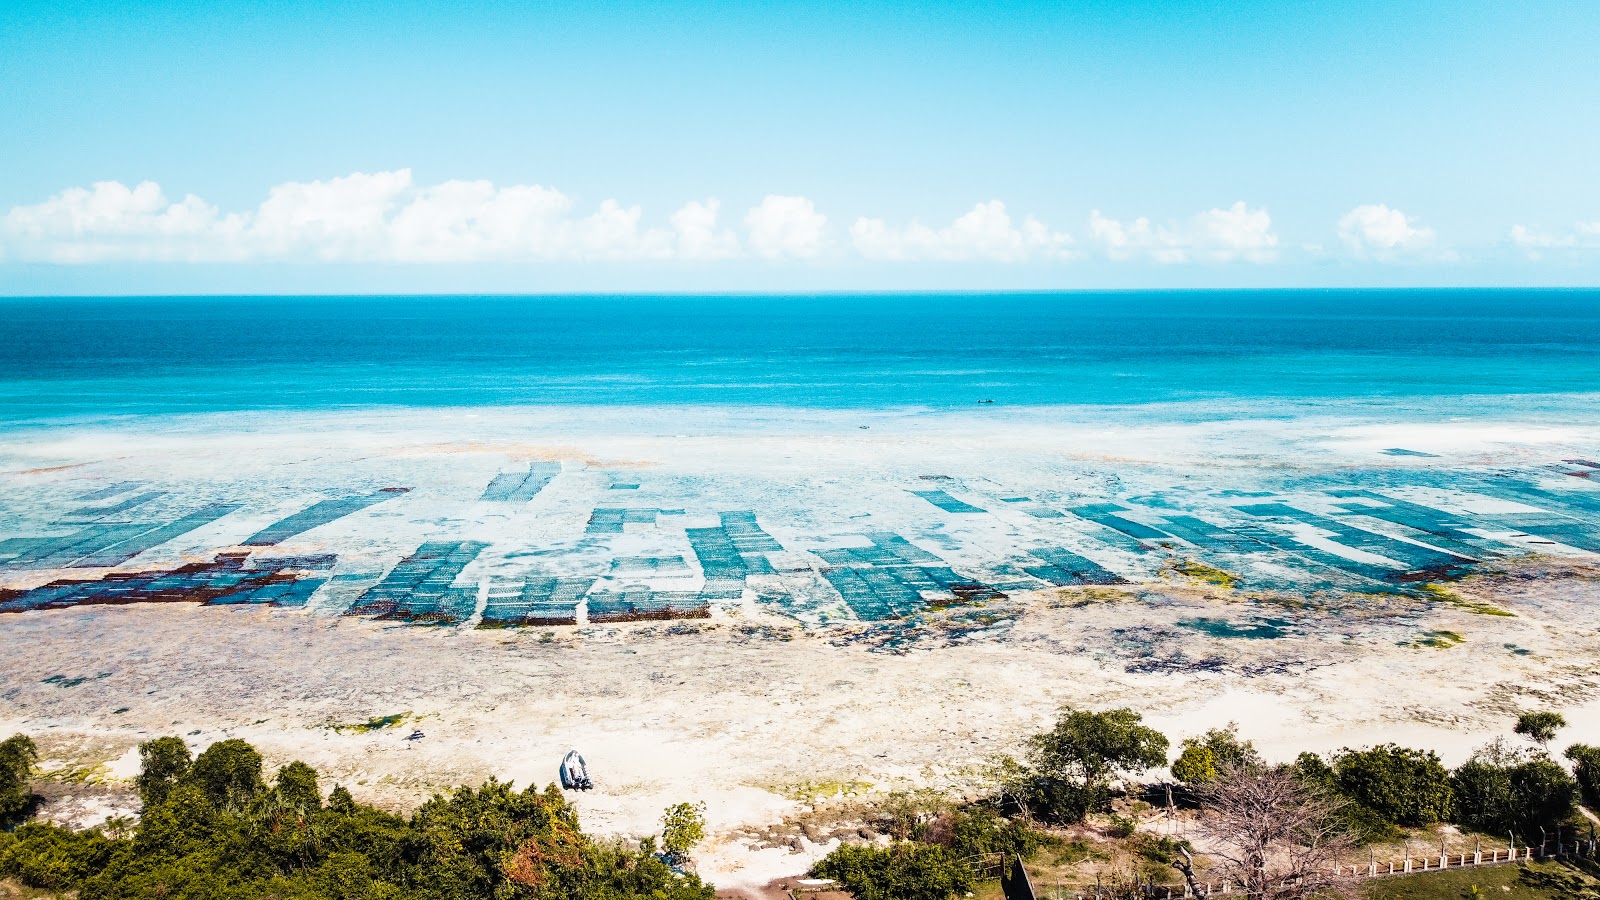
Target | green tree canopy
(1539,727)
(1220,748)
(18,755)
(1094,746)
(229,772)
(1586,767)
(1073,762)
(1503,791)
(162,762)
(296,785)
(902,871)
(216,833)
(683,825)
(1405,786)
(1195,765)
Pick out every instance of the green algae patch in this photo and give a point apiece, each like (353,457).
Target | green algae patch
(1202,572)
(1437,640)
(810,791)
(375,724)
(1441,594)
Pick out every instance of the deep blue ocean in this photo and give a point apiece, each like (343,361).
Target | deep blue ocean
(114,356)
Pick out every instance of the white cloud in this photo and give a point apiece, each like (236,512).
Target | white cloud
(1583,236)
(1381,231)
(377,217)
(985,232)
(1216,235)
(786,227)
(698,237)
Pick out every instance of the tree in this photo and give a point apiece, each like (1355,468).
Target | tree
(296,785)
(229,773)
(1503,790)
(162,762)
(1218,748)
(1405,786)
(1539,727)
(18,754)
(683,826)
(902,871)
(1273,835)
(1586,768)
(1195,765)
(1074,761)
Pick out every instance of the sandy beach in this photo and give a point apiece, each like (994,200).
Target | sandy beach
(760,718)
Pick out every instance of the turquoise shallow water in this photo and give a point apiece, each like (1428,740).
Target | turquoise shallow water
(113,356)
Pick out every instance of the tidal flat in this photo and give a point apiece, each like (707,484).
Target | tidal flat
(764,607)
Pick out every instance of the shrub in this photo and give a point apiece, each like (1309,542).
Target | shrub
(980,831)
(1539,727)
(1404,786)
(683,826)
(213,832)
(17,758)
(1586,767)
(902,871)
(1195,765)
(1503,791)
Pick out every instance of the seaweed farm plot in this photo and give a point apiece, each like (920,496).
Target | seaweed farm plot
(489,542)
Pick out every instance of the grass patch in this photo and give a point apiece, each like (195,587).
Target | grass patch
(1441,594)
(375,724)
(822,790)
(1202,572)
(1437,640)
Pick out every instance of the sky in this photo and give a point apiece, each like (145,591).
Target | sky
(167,147)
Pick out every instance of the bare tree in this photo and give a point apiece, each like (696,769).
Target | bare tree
(1272,836)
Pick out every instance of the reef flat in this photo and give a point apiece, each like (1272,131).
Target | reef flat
(491,526)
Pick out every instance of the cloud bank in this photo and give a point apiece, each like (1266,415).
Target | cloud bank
(984,233)
(1216,235)
(386,217)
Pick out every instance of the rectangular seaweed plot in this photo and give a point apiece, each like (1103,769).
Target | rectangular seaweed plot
(1447,531)
(887,579)
(106,493)
(320,513)
(57,552)
(638,603)
(720,560)
(119,553)
(224,580)
(746,533)
(1417,560)
(541,600)
(947,503)
(609,520)
(520,487)
(1063,568)
(100,512)
(1106,514)
(420,587)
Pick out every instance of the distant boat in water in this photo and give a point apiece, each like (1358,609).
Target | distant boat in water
(575,773)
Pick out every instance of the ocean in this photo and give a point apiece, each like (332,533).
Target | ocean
(93,357)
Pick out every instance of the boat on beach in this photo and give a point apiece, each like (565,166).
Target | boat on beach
(575,773)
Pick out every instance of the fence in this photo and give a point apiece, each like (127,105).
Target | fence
(1416,865)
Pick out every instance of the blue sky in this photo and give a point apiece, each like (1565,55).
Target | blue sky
(154,147)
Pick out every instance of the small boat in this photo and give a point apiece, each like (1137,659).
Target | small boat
(575,773)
